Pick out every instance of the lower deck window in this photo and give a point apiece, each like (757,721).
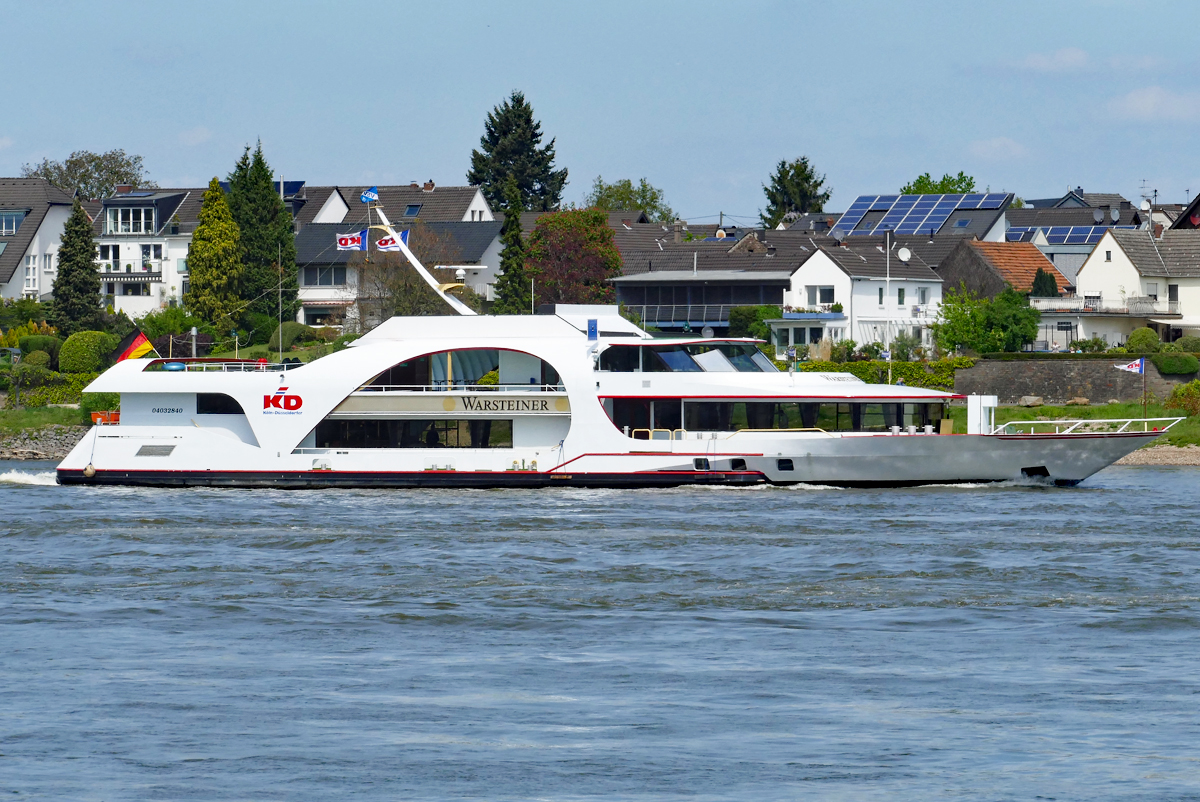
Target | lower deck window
(414,434)
(732,416)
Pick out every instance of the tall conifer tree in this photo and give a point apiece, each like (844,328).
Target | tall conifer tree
(268,244)
(215,262)
(510,147)
(512,285)
(77,287)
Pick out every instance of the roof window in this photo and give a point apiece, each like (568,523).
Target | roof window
(10,222)
(412,210)
(962,222)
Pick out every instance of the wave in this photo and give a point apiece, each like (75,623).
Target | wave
(26,478)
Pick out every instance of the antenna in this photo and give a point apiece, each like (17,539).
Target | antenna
(838,234)
(904,254)
(1145,207)
(1115,214)
(1098,216)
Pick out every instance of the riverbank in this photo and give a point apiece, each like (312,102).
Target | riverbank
(48,442)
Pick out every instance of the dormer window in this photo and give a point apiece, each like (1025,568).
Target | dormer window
(412,210)
(129,220)
(10,222)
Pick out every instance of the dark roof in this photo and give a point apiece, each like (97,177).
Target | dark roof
(1077,198)
(704,259)
(818,222)
(314,199)
(1176,255)
(1189,217)
(872,262)
(970,222)
(1068,216)
(1017,263)
(169,203)
(440,204)
(316,242)
(34,196)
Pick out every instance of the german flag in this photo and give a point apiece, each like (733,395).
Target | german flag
(134,346)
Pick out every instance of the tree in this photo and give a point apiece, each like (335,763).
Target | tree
(571,257)
(795,187)
(512,285)
(947,184)
(77,287)
(1143,341)
(966,321)
(510,147)
(267,241)
(623,196)
(1044,285)
(95,175)
(215,262)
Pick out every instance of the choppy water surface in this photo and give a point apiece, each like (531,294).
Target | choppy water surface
(954,643)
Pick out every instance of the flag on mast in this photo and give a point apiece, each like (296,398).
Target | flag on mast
(134,346)
(369,195)
(388,243)
(1137,366)
(352,242)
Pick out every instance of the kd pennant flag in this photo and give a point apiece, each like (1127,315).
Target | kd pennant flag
(1138,366)
(388,243)
(134,346)
(352,242)
(369,195)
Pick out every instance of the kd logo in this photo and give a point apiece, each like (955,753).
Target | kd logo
(282,401)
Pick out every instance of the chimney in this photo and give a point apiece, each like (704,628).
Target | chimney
(678,231)
(414,185)
(1158,230)
(428,186)
(124,189)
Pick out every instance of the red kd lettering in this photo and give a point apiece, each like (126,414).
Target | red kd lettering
(271,401)
(292,402)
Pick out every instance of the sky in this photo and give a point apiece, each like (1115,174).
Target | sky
(701,99)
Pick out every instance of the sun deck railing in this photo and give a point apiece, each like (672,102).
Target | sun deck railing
(459,387)
(205,365)
(1087,426)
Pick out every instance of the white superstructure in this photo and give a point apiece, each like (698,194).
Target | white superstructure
(581,397)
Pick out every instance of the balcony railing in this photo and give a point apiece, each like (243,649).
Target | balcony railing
(1132,305)
(717,314)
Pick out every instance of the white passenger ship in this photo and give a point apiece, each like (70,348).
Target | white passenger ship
(580,397)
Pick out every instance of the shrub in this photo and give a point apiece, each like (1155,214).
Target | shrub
(259,326)
(1143,341)
(98,402)
(747,321)
(292,332)
(86,352)
(341,342)
(842,351)
(1095,345)
(937,375)
(326,334)
(1185,397)
(1175,364)
(39,359)
(1189,344)
(172,320)
(67,388)
(490,378)
(835,308)
(41,342)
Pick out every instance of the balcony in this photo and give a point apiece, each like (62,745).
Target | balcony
(143,270)
(1131,305)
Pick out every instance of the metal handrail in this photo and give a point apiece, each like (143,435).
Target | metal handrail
(1112,425)
(232,366)
(805,429)
(458,387)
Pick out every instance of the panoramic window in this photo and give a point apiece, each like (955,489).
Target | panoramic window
(732,416)
(743,357)
(449,433)
(333,276)
(126,220)
(10,222)
(473,367)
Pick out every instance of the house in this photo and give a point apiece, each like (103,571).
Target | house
(1078,199)
(980,215)
(142,241)
(858,292)
(988,268)
(33,213)
(1188,217)
(1131,279)
(1066,234)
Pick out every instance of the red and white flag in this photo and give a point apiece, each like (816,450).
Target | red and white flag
(1137,366)
(388,243)
(352,242)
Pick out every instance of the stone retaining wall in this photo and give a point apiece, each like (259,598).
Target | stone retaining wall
(1060,380)
(51,442)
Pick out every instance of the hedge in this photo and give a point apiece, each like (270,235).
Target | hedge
(1039,355)
(292,331)
(1174,364)
(41,342)
(937,375)
(86,352)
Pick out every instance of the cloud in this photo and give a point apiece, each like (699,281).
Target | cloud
(195,136)
(1155,104)
(998,149)
(6,142)
(1068,59)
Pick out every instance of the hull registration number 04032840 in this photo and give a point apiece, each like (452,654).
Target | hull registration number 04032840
(167,410)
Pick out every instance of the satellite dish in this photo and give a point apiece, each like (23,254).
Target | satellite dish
(1145,207)
(904,254)
(839,234)
(1098,216)
(1115,214)
(706,332)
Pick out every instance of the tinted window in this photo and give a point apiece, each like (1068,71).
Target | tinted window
(217,404)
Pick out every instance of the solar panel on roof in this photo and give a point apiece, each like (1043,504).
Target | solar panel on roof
(910,214)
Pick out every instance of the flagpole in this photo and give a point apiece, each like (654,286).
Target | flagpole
(1145,425)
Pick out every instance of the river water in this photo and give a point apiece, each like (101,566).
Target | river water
(1008,642)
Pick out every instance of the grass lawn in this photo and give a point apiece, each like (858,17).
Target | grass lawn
(18,420)
(1186,432)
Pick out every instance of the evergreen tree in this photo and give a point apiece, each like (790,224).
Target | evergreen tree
(267,242)
(77,287)
(509,147)
(512,285)
(214,262)
(795,187)
(1044,285)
